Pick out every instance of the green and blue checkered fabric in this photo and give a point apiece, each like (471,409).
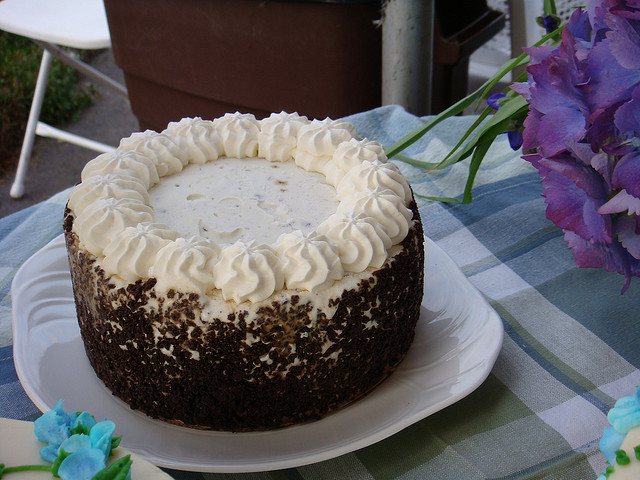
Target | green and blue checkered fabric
(571,347)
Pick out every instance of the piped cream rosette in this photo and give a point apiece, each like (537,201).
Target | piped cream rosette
(115,222)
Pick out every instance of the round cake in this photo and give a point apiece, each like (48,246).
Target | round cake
(242,274)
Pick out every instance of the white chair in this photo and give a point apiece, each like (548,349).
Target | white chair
(79,24)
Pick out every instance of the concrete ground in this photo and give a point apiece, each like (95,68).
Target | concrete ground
(56,165)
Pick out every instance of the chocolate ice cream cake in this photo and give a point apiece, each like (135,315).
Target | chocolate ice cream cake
(242,274)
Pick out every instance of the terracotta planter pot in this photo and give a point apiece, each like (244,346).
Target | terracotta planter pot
(208,57)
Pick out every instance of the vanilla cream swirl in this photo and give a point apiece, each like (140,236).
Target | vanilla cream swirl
(239,133)
(384,206)
(114,219)
(198,140)
(106,186)
(131,164)
(277,139)
(103,219)
(318,141)
(134,250)
(308,262)
(360,241)
(369,175)
(185,265)
(350,154)
(248,272)
(157,147)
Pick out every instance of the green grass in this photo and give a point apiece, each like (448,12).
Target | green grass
(65,96)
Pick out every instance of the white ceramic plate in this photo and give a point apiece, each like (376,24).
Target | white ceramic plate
(457,341)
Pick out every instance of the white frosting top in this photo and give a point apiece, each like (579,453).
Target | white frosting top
(252,207)
(247,199)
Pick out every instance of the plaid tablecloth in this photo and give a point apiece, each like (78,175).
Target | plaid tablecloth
(571,347)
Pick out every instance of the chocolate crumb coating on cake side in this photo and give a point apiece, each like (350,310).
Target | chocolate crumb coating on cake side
(284,362)
(240,274)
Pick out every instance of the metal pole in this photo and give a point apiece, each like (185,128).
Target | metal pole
(407,54)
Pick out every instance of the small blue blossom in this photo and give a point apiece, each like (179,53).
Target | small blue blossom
(82,464)
(515,139)
(54,426)
(550,23)
(101,436)
(494,100)
(77,447)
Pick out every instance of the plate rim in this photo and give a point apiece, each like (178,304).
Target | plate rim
(493,323)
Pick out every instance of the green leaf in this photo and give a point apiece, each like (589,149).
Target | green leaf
(80,429)
(417,163)
(479,94)
(549,7)
(497,124)
(439,199)
(115,441)
(56,463)
(116,471)
(476,160)
(481,118)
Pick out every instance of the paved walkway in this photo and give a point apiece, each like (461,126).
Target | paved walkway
(57,165)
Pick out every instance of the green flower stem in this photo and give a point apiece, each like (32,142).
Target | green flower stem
(476,141)
(24,468)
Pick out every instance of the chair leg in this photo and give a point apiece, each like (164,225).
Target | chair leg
(17,189)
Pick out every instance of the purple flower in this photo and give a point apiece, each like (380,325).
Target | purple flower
(550,23)
(515,139)
(494,100)
(582,133)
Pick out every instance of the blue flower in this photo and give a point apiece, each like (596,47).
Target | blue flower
(82,464)
(54,426)
(624,416)
(494,100)
(515,139)
(77,445)
(550,23)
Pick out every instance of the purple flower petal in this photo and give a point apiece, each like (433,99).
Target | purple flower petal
(621,202)
(626,8)
(627,117)
(626,174)
(604,166)
(538,54)
(612,258)
(571,209)
(558,128)
(522,88)
(626,231)
(550,23)
(580,25)
(625,42)
(494,100)
(609,83)
(530,134)
(515,139)
(597,9)
(603,135)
